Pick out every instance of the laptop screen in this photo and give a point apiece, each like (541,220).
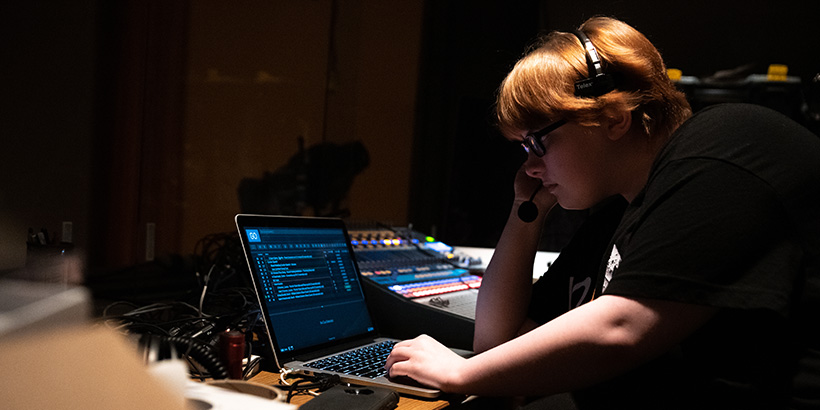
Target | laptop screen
(308,282)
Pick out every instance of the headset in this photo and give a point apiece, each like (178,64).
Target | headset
(596,84)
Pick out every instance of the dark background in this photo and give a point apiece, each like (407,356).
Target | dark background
(69,137)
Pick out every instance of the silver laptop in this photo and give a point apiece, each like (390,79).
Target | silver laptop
(309,289)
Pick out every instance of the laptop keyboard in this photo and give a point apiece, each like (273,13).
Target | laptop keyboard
(367,361)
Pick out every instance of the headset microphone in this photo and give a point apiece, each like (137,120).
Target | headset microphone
(527,211)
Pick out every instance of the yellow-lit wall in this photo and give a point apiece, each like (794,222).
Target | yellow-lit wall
(262,75)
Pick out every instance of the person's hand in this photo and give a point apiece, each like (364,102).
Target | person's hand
(426,361)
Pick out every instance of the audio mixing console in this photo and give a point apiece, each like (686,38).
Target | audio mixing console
(418,268)
(415,284)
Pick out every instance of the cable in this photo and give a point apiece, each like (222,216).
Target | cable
(319,381)
(283,373)
(205,289)
(251,366)
(191,326)
(163,347)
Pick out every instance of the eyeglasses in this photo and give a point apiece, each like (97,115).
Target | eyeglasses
(534,142)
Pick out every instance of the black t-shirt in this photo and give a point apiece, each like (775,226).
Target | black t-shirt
(730,217)
(570,280)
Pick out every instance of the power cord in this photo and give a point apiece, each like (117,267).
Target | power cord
(307,384)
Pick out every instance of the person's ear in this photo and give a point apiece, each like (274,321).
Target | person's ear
(618,123)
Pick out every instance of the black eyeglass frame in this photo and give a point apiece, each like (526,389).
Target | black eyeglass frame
(534,142)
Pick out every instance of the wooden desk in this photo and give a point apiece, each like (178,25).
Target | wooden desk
(405,402)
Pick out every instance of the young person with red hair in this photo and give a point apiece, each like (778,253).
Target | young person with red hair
(702,251)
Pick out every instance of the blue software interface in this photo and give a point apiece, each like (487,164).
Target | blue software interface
(309,284)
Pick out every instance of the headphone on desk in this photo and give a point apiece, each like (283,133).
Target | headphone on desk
(596,84)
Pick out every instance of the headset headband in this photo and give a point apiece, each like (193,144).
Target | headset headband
(598,83)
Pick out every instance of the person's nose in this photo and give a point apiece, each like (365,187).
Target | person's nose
(534,166)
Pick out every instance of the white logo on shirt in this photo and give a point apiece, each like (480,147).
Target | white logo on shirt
(611,265)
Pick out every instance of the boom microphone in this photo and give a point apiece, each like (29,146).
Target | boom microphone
(527,211)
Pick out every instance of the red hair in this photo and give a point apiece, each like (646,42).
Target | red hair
(540,88)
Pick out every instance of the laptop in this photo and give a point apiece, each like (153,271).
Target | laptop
(309,288)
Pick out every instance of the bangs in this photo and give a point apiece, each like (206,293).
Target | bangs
(522,103)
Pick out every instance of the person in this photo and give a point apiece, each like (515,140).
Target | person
(708,286)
